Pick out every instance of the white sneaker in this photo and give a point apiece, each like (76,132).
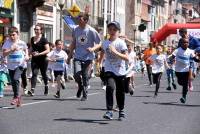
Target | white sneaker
(104,88)
(25,91)
(88,87)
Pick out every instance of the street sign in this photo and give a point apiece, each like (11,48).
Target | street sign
(74,10)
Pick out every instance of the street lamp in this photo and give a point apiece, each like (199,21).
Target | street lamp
(134,32)
(61,4)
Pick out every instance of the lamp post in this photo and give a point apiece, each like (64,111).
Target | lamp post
(61,5)
(134,33)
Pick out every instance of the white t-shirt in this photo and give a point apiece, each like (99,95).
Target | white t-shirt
(61,57)
(16,58)
(112,62)
(158,63)
(130,64)
(183,58)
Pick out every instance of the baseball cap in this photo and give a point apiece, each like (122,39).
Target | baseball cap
(114,23)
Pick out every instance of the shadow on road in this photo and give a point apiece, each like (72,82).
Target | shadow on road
(101,122)
(140,96)
(92,109)
(53,99)
(164,92)
(171,104)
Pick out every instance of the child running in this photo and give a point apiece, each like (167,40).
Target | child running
(158,62)
(17,53)
(184,59)
(59,57)
(116,54)
(170,71)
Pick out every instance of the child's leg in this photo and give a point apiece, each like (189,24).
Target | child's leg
(157,82)
(1,88)
(190,86)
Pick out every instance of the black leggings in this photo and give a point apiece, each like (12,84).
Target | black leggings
(156,80)
(35,66)
(24,79)
(149,73)
(182,78)
(114,83)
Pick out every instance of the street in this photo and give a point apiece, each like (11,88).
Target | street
(68,115)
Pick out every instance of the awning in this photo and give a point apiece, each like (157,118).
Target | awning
(69,22)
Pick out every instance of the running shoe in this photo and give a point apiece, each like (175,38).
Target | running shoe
(183,100)
(78,94)
(108,115)
(63,85)
(31,92)
(174,86)
(83,98)
(121,115)
(18,103)
(104,88)
(168,88)
(46,89)
(57,95)
(25,91)
(14,101)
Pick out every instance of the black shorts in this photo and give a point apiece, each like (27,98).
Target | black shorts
(56,73)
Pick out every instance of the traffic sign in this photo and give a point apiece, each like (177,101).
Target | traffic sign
(74,10)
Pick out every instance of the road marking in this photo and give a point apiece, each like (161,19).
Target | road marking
(32,103)
(39,102)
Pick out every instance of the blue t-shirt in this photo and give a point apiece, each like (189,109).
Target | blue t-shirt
(112,62)
(83,39)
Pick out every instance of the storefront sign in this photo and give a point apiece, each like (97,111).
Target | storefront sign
(6,4)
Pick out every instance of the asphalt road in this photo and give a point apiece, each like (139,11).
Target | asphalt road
(68,115)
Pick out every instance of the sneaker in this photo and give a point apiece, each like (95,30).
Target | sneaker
(108,115)
(168,88)
(121,115)
(46,89)
(104,88)
(14,101)
(83,98)
(190,88)
(155,95)
(31,92)
(18,103)
(174,86)
(63,86)
(131,89)
(57,95)
(25,91)
(78,94)
(88,87)
(183,100)
(131,92)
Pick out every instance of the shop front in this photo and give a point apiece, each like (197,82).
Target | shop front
(6,17)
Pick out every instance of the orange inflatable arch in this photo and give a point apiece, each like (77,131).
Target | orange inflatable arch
(171,28)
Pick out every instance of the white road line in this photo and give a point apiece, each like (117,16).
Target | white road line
(32,103)
(39,102)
